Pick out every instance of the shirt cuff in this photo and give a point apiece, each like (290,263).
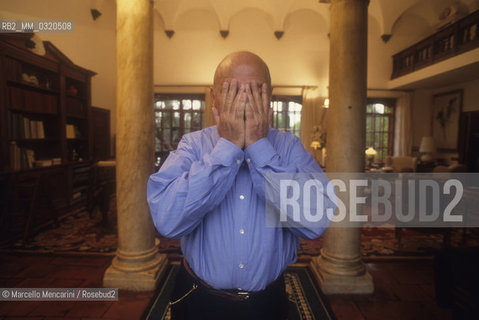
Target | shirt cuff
(260,152)
(227,153)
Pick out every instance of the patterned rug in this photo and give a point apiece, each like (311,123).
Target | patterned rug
(83,233)
(306,301)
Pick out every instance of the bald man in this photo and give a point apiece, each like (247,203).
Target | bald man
(210,194)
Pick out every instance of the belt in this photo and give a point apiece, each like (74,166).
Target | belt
(235,295)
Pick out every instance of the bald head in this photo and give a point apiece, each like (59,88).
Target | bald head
(243,66)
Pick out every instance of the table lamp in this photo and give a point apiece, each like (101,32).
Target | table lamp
(370,153)
(427,148)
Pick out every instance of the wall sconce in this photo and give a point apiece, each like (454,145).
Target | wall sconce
(278,34)
(326,103)
(224,33)
(95,14)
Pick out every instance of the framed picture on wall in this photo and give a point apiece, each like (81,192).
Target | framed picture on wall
(446,112)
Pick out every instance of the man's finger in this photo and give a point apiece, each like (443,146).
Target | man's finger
(231,95)
(257,97)
(224,92)
(251,99)
(241,103)
(239,99)
(265,98)
(249,111)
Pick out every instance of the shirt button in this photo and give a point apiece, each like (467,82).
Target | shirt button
(242,231)
(238,161)
(248,160)
(241,266)
(242,197)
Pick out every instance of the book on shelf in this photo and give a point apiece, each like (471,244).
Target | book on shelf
(20,157)
(43,163)
(71,132)
(25,128)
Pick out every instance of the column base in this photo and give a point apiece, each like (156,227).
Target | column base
(138,271)
(332,283)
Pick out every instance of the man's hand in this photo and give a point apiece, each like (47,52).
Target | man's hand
(258,113)
(230,119)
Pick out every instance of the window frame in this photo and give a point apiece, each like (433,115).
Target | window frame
(391,103)
(181,125)
(286,112)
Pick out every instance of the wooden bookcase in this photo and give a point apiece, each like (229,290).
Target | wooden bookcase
(45,125)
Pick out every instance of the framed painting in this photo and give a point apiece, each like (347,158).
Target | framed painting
(446,112)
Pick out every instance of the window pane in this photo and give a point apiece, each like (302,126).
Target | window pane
(175,104)
(158,119)
(166,119)
(176,119)
(379,108)
(175,135)
(196,105)
(187,120)
(280,120)
(186,104)
(280,106)
(159,104)
(166,136)
(196,123)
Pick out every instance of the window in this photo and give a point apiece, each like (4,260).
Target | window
(287,114)
(380,127)
(176,115)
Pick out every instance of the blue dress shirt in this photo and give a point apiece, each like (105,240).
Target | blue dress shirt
(210,194)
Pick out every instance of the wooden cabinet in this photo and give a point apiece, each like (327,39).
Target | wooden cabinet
(45,116)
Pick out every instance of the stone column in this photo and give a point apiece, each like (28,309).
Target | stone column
(339,268)
(137,265)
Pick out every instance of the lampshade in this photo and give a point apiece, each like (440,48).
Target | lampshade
(370,152)
(427,145)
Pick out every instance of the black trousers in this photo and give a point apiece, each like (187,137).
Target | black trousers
(271,303)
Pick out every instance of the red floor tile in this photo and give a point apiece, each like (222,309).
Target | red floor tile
(89,309)
(403,290)
(53,308)
(346,310)
(127,310)
(18,308)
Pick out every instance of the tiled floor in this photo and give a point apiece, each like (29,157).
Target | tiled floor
(404,290)
(45,271)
